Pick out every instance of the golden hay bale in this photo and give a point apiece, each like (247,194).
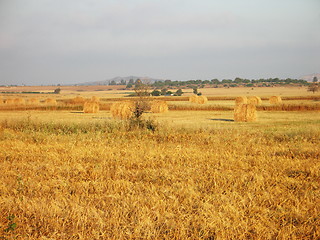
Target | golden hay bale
(245,113)
(95,99)
(91,107)
(78,100)
(254,100)
(159,106)
(202,99)
(19,101)
(198,99)
(241,100)
(193,98)
(9,101)
(123,110)
(50,102)
(33,101)
(275,100)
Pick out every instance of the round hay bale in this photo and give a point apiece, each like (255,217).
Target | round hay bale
(159,106)
(50,102)
(198,99)
(9,101)
(254,100)
(123,110)
(193,98)
(241,100)
(275,100)
(33,101)
(95,99)
(202,99)
(78,101)
(245,113)
(19,101)
(91,107)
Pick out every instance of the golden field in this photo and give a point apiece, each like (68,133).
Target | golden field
(196,175)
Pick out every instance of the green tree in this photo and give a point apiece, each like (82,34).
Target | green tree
(313,88)
(129,85)
(155,93)
(57,91)
(195,90)
(315,79)
(164,91)
(179,92)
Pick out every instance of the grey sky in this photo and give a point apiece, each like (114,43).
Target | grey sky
(58,41)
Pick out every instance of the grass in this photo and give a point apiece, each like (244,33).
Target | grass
(100,181)
(192,175)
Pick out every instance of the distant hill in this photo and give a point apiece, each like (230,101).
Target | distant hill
(310,77)
(118,80)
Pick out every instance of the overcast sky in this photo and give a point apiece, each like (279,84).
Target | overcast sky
(74,41)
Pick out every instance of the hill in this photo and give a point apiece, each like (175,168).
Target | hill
(118,80)
(310,77)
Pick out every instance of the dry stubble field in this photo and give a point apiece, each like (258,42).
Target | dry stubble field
(198,175)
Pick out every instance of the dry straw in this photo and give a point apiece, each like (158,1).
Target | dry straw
(78,100)
(123,110)
(254,100)
(275,100)
(245,113)
(33,101)
(95,99)
(9,101)
(159,106)
(91,107)
(50,102)
(19,101)
(198,99)
(241,100)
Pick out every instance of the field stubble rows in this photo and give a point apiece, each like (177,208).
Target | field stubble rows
(100,181)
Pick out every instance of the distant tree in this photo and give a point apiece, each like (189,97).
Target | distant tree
(179,92)
(315,79)
(155,93)
(215,81)
(164,91)
(129,85)
(57,91)
(313,88)
(123,82)
(113,82)
(195,90)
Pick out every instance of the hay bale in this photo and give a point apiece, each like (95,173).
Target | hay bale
(159,106)
(50,102)
(9,101)
(33,101)
(275,100)
(241,100)
(245,113)
(193,98)
(95,99)
(202,99)
(19,101)
(198,99)
(78,101)
(254,100)
(123,110)
(91,107)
